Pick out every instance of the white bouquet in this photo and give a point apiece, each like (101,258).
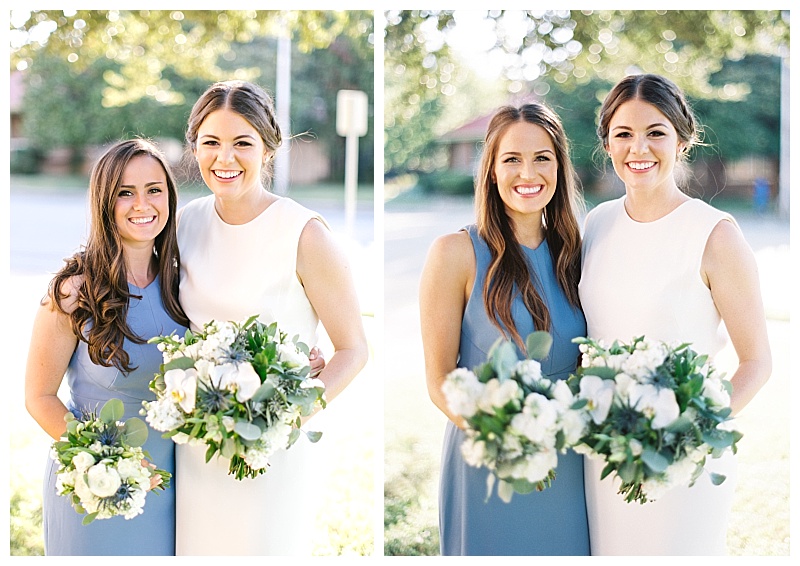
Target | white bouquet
(657,412)
(518,420)
(239,388)
(102,467)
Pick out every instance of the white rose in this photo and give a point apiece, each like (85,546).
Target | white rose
(291,356)
(498,394)
(462,390)
(103,481)
(82,461)
(128,468)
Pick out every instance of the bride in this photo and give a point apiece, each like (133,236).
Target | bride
(661,264)
(246,251)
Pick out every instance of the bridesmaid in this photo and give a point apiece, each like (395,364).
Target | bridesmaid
(661,264)
(515,271)
(247,251)
(92,328)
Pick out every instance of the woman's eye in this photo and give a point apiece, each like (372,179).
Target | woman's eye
(542,158)
(657,134)
(155,190)
(124,193)
(510,160)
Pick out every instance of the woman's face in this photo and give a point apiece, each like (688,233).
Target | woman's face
(230,154)
(643,146)
(525,169)
(141,208)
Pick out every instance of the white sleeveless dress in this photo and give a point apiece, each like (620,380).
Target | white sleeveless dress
(231,272)
(643,278)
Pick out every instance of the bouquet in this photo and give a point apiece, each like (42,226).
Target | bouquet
(239,388)
(657,412)
(101,464)
(518,420)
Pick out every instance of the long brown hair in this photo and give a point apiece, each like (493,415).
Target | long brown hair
(509,273)
(100,316)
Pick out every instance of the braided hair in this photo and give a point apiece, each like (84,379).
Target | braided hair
(248,100)
(661,93)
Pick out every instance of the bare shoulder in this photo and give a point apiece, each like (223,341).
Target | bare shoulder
(727,252)
(453,249)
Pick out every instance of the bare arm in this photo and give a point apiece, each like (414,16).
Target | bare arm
(52,345)
(326,276)
(445,286)
(731,273)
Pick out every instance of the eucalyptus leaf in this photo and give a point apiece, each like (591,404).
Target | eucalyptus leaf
(228,448)
(538,344)
(716,479)
(503,359)
(654,460)
(314,436)
(679,425)
(89,518)
(112,411)
(266,391)
(246,430)
(178,363)
(134,433)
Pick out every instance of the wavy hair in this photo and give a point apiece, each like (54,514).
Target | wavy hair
(248,100)
(509,272)
(100,315)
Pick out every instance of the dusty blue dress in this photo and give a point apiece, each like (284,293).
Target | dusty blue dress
(550,522)
(153,532)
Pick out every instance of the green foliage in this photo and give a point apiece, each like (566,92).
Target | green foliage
(572,58)
(25,524)
(446,182)
(410,527)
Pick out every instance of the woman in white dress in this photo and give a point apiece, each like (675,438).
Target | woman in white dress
(661,264)
(246,251)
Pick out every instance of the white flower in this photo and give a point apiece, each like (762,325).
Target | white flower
(82,461)
(573,423)
(498,394)
(473,451)
(228,422)
(536,467)
(537,421)
(103,480)
(163,415)
(241,378)
(530,371)
(88,499)
(562,394)
(291,356)
(462,390)
(660,405)
(715,393)
(645,359)
(130,469)
(599,393)
(181,387)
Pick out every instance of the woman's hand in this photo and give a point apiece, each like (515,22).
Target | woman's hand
(317,361)
(155,479)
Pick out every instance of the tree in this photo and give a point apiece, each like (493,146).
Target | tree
(561,53)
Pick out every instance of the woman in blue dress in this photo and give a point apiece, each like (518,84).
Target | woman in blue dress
(515,271)
(92,329)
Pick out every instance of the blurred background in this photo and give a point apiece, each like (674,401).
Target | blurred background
(80,80)
(446,72)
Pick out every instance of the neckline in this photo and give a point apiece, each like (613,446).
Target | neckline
(146,286)
(666,216)
(259,215)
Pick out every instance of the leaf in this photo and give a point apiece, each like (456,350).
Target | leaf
(134,432)
(228,448)
(246,430)
(627,472)
(503,358)
(266,391)
(654,460)
(89,518)
(679,425)
(718,438)
(112,411)
(489,486)
(538,344)
(716,479)
(314,436)
(178,363)
(599,371)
